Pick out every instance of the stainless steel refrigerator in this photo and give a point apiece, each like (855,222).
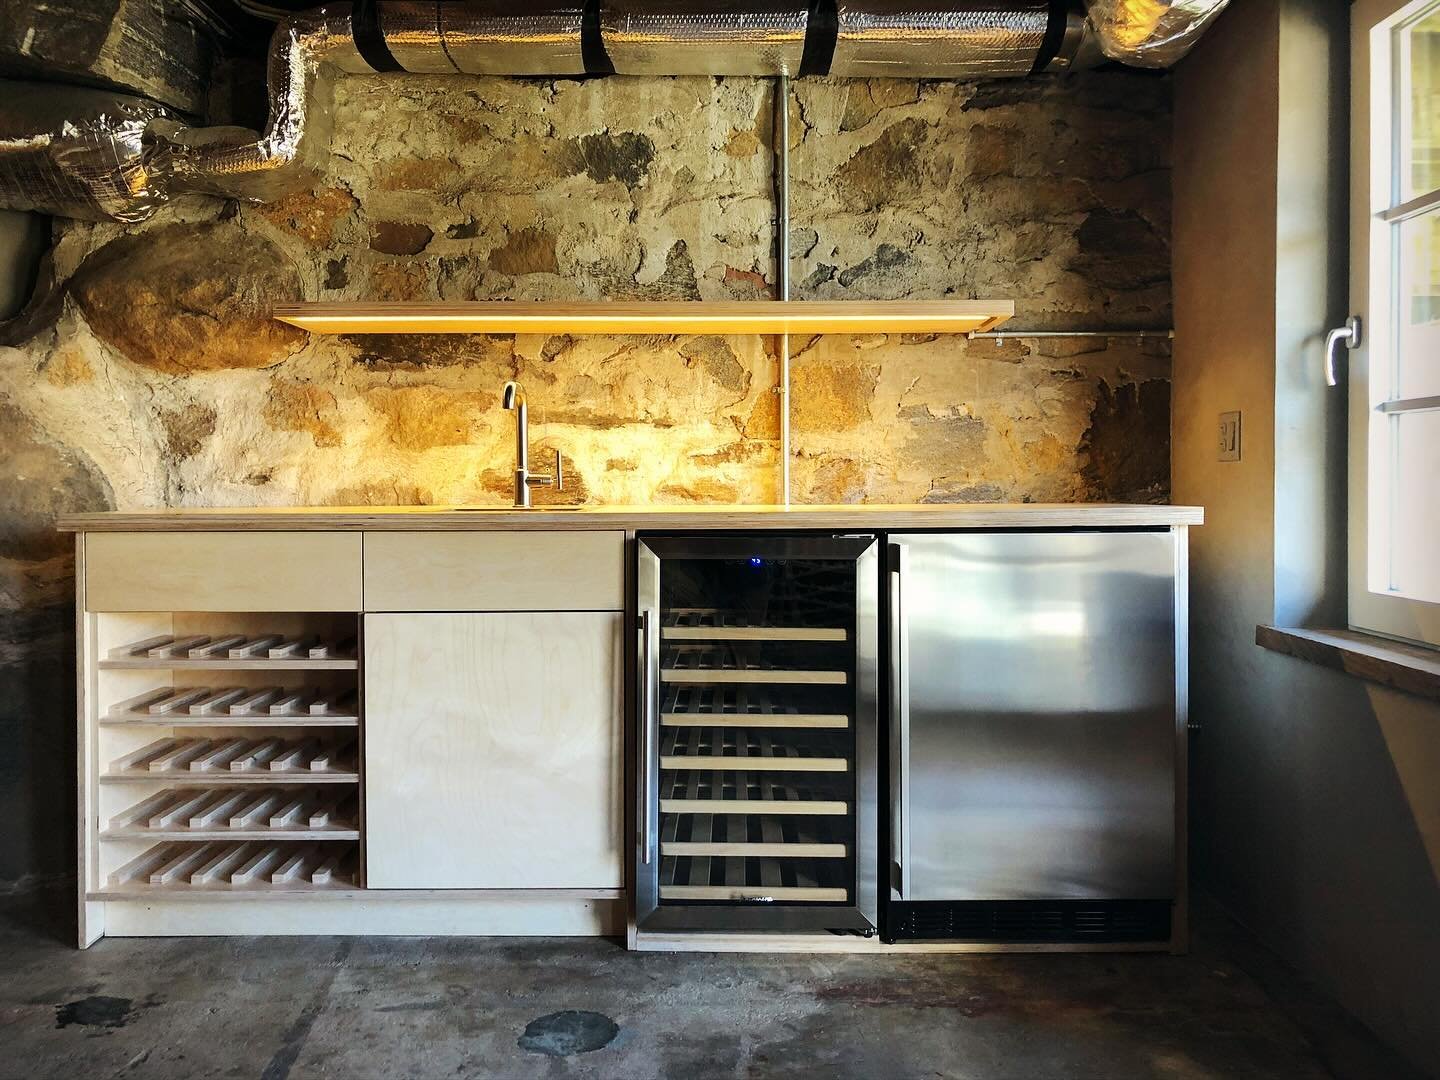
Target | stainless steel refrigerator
(1034,735)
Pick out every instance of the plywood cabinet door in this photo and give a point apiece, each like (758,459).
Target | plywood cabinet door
(493,750)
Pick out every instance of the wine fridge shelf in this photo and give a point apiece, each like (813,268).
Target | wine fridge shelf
(712,624)
(236,652)
(703,878)
(228,814)
(739,706)
(731,836)
(272,706)
(734,748)
(241,760)
(227,866)
(727,664)
(732,793)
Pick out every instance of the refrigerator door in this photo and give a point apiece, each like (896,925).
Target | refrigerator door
(1034,726)
(757,667)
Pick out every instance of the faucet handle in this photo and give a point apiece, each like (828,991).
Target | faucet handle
(559,471)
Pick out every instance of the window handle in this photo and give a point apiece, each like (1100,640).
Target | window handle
(1350,334)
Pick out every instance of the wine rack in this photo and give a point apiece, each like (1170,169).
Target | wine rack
(227,750)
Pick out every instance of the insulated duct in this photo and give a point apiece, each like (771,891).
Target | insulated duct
(1150,33)
(122,158)
(889,39)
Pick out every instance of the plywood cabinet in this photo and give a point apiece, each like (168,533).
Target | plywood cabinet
(493,750)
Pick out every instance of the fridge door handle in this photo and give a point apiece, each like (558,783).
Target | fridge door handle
(647,734)
(900,717)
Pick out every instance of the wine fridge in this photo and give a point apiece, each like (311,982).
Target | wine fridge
(756,796)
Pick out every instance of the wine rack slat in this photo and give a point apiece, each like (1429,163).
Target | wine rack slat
(240,760)
(232,865)
(237,652)
(742,837)
(223,813)
(192,706)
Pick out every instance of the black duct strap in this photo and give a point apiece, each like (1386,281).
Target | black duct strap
(1054,35)
(592,42)
(822,31)
(369,40)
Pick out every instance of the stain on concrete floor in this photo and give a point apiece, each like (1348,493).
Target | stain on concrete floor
(516,1008)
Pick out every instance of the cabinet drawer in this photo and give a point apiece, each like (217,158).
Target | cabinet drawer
(495,571)
(253,571)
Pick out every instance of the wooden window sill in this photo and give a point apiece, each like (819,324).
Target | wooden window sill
(1410,668)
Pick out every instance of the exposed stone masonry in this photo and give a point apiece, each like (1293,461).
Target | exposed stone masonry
(151,374)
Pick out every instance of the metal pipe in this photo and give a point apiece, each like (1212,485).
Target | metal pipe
(1141,334)
(782,266)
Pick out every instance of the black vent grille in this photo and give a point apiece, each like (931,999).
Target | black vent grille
(1029,921)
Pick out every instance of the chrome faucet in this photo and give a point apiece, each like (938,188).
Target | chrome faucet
(514,400)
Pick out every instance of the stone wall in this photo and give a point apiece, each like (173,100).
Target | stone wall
(149,374)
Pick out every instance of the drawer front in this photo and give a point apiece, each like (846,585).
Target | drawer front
(251,571)
(495,571)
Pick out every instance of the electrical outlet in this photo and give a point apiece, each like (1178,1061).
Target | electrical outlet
(1229,436)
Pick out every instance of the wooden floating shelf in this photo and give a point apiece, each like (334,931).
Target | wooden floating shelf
(237,652)
(659,317)
(238,866)
(203,706)
(240,760)
(244,814)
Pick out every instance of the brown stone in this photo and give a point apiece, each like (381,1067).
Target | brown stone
(68,367)
(424,417)
(43,479)
(529,251)
(868,99)
(887,170)
(1128,443)
(764,419)
(700,490)
(418,174)
(399,281)
(625,157)
(311,215)
(187,429)
(746,284)
(718,359)
(400,237)
(184,298)
(1121,250)
(297,406)
(831,395)
(495,353)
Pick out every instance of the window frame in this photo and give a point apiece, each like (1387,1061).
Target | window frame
(1377,210)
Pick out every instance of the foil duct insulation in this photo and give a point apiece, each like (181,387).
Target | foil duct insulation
(1150,33)
(305,54)
(78,152)
(978,40)
(486,37)
(730,37)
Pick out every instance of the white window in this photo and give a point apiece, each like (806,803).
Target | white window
(1395,380)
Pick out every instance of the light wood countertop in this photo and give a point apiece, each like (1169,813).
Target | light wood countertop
(494,518)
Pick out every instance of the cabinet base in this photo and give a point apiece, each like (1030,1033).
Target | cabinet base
(363,917)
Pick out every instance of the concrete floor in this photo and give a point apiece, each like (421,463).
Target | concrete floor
(359,1008)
